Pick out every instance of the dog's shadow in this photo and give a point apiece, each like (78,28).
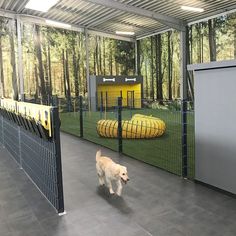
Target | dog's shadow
(114,200)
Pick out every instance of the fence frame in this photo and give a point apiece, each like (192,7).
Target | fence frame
(57,141)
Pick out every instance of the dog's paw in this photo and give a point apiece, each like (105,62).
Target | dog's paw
(111,192)
(118,194)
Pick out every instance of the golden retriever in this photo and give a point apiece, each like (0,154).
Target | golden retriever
(108,171)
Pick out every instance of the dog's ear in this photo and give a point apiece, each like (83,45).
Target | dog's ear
(117,171)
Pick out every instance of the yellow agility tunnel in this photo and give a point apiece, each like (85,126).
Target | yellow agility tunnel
(139,127)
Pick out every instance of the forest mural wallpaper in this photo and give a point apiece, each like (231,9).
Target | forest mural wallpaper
(54,60)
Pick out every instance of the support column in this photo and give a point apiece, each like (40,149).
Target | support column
(184,92)
(20,60)
(87,66)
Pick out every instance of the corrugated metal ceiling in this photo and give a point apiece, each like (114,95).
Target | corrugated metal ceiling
(106,19)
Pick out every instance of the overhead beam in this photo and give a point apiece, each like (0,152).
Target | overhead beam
(112,36)
(8,14)
(41,21)
(172,22)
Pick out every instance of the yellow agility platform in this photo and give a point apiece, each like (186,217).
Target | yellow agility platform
(104,91)
(139,127)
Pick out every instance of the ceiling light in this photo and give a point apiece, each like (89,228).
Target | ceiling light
(57,24)
(124,32)
(186,8)
(41,5)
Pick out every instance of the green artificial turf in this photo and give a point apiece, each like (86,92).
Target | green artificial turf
(164,152)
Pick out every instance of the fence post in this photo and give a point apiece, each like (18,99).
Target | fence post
(184,140)
(81,116)
(55,101)
(120,146)
(57,143)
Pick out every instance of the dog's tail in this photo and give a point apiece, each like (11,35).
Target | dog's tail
(98,154)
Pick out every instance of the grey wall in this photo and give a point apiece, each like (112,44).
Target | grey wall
(215,127)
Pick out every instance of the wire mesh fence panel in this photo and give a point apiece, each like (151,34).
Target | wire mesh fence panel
(68,104)
(38,160)
(70,123)
(70,116)
(91,120)
(152,131)
(37,154)
(11,139)
(191,141)
(150,141)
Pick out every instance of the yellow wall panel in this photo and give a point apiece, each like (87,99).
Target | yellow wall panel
(114,91)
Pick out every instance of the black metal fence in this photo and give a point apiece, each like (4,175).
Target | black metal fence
(40,158)
(172,151)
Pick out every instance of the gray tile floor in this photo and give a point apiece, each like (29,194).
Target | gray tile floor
(153,203)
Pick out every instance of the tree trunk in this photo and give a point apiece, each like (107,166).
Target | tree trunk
(79,75)
(234,42)
(117,68)
(45,65)
(94,63)
(147,95)
(67,76)
(75,70)
(64,72)
(104,57)
(212,39)
(199,55)
(49,70)
(96,56)
(13,64)
(1,70)
(36,82)
(159,66)
(191,43)
(110,59)
(85,81)
(170,56)
(40,63)
(100,56)
(152,72)
(202,47)
(138,57)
